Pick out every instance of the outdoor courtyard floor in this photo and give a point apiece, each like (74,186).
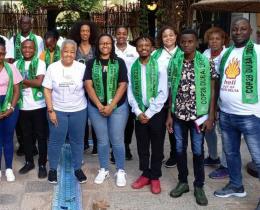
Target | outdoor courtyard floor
(30,193)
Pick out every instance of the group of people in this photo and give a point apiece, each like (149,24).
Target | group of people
(50,91)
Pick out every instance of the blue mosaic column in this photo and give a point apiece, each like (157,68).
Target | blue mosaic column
(67,193)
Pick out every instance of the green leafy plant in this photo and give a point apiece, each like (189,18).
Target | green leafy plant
(143,20)
(78,5)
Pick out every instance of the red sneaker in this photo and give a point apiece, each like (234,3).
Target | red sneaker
(140,182)
(155,186)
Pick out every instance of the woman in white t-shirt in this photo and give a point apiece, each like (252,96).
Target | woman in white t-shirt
(66,107)
(216,39)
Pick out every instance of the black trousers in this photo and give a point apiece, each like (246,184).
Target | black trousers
(34,123)
(86,137)
(151,135)
(172,140)
(129,129)
(173,146)
(19,133)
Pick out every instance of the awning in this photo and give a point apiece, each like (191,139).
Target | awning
(252,6)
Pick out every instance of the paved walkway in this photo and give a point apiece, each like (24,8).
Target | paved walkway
(30,193)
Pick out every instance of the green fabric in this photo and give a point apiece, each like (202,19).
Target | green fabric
(157,53)
(152,81)
(112,80)
(249,72)
(171,62)
(9,93)
(200,196)
(179,190)
(37,92)
(56,56)
(202,81)
(18,45)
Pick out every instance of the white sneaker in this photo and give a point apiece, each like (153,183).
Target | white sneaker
(102,175)
(120,178)
(9,175)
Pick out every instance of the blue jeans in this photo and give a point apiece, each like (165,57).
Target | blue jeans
(181,129)
(232,127)
(7,126)
(71,124)
(110,129)
(212,143)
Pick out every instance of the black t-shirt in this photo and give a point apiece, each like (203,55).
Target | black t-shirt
(122,77)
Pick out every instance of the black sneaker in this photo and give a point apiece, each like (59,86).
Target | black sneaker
(42,173)
(80,176)
(52,176)
(229,190)
(26,168)
(211,162)
(170,163)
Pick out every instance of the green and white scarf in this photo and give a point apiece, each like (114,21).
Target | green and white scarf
(158,53)
(18,45)
(56,56)
(9,94)
(112,80)
(152,81)
(171,62)
(37,92)
(249,72)
(202,81)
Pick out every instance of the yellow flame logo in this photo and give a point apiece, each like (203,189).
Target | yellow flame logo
(233,69)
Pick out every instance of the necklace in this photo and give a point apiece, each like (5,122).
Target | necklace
(85,50)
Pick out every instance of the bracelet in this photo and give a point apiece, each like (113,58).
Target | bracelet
(50,111)
(11,107)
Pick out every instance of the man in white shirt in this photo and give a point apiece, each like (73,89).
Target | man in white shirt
(239,104)
(26,33)
(147,93)
(129,54)
(33,108)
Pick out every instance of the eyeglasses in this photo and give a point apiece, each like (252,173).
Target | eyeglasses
(105,43)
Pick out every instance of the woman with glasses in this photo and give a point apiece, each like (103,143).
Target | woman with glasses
(106,83)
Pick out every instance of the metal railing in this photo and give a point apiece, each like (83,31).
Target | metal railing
(10,16)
